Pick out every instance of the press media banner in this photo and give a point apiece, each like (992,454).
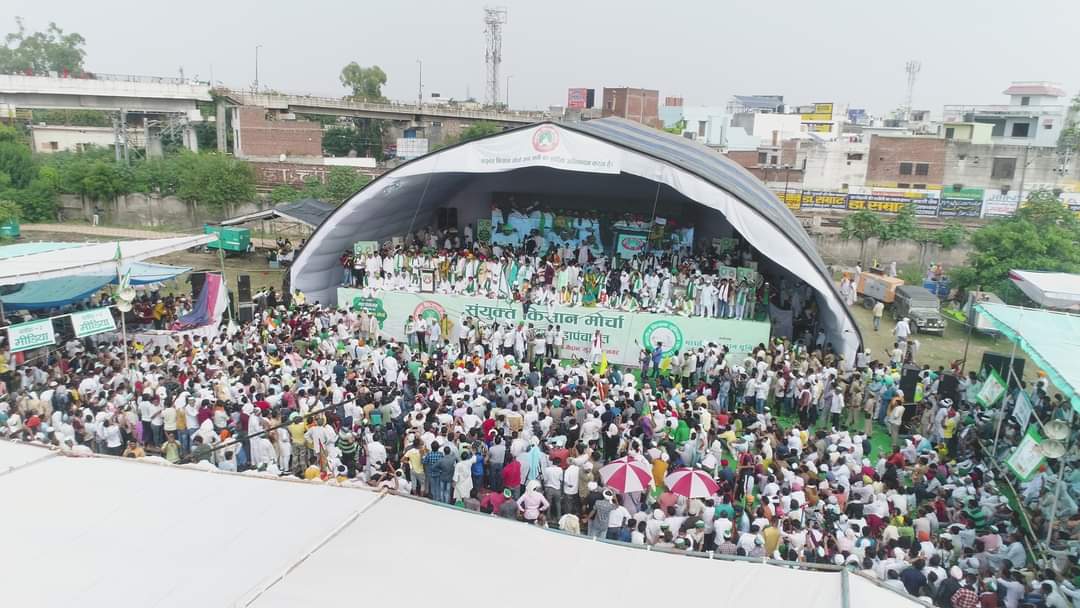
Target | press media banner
(91,322)
(624,332)
(35,334)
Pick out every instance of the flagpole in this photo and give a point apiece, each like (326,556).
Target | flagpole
(224,281)
(123,315)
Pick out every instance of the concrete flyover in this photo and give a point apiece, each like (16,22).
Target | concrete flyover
(306,104)
(139,94)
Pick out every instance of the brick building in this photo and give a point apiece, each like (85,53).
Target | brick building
(639,105)
(259,133)
(916,163)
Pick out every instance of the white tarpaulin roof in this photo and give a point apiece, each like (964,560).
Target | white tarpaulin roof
(119,532)
(1059,290)
(91,258)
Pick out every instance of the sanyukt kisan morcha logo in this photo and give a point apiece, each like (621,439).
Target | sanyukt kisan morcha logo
(430,310)
(545,139)
(664,333)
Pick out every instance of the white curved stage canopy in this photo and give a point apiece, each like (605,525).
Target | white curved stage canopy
(611,160)
(108,531)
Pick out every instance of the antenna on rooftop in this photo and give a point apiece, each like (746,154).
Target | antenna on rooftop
(494,19)
(912,68)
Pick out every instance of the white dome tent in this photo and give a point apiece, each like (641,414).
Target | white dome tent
(606,159)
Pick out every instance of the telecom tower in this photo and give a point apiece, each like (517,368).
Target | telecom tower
(494,19)
(912,68)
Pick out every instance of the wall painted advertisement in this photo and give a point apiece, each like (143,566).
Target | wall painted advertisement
(623,333)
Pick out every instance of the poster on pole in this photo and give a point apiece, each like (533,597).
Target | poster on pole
(1026,458)
(91,322)
(1022,410)
(365,247)
(35,334)
(991,390)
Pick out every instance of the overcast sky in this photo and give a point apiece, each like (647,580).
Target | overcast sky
(845,51)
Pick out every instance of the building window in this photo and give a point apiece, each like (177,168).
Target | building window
(1020,129)
(774,160)
(54,145)
(919,186)
(950,132)
(1004,168)
(436,123)
(903,185)
(762,158)
(854,156)
(1025,101)
(1048,124)
(922,168)
(701,128)
(905,168)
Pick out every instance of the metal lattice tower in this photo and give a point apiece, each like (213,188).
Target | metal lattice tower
(494,19)
(912,68)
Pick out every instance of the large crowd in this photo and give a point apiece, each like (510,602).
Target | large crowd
(790,434)
(677,282)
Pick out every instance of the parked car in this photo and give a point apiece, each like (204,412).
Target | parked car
(922,307)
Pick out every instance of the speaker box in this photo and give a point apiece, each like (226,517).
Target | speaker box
(447,217)
(197,280)
(243,288)
(949,387)
(1000,363)
(245,313)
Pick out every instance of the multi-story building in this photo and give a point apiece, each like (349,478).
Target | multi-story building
(639,105)
(915,163)
(1035,114)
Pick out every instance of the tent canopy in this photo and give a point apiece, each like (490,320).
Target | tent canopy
(308,211)
(627,164)
(1051,339)
(294,543)
(1059,290)
(91,258)
(61,291)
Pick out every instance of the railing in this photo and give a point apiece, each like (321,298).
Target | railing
(118,78)
(952,112)
(270,98)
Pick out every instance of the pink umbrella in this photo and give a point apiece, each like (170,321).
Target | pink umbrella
(691,483)
(626,475)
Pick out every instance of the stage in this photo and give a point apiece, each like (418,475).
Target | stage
(624,332)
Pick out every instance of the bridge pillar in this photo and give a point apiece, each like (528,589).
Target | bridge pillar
(219,126)
(191,141)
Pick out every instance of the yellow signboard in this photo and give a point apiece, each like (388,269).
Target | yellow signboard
(822,112)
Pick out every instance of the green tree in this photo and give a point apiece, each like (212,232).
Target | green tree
(214,179)
(16,164)
(366,83)
(478,130)
(903,225)
(285,194)
(862,226)
(104,181)
(158,176)
(77,118)
(9,210)
(339,141)
(1070,135)
(1043,235)
(343,182)
(40,52)
(37,202)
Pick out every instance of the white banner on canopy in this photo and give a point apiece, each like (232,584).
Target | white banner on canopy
(545,146)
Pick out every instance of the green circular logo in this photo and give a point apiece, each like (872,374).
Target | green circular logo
(664,333)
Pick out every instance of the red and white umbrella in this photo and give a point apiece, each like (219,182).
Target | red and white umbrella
(626,475)
(691,483)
